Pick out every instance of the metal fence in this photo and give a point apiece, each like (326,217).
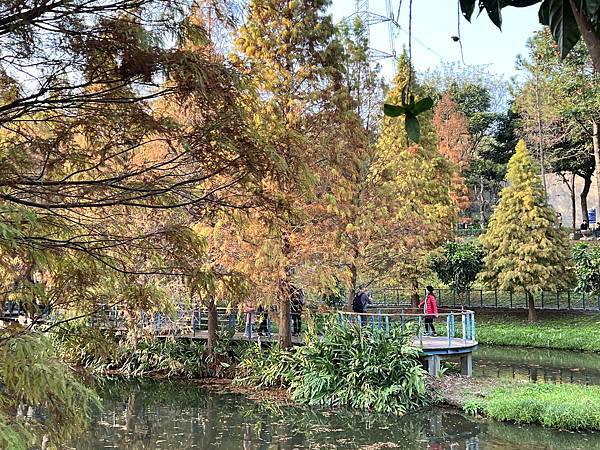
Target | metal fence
(481,298)
(474,232)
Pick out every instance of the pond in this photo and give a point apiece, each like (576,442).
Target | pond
(178,416)
(538,365)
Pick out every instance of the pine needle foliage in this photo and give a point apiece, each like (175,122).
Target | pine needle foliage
(526,251)
(34,379)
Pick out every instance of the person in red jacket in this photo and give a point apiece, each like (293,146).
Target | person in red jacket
(431,311)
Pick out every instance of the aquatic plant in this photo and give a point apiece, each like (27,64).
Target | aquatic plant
(267,367)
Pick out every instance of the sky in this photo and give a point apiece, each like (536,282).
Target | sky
(433,24)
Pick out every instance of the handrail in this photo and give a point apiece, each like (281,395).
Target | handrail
(193,319)
(442,312)
(382,319)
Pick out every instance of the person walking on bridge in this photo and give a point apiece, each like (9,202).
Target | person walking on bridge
(431,311)
(296,307)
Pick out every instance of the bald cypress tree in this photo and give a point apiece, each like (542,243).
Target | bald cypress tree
(414,184)
(526,250)
(291,53)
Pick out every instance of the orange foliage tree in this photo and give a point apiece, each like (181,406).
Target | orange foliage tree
(454,142)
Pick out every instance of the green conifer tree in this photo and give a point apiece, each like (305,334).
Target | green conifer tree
(414,183)
(526,250)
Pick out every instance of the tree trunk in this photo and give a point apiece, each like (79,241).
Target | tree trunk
(415,296)
(587,183)
(540,136)
(481,205)
(588,32)
(285,331)
(212,326)
(573,203)
(592,41)
(352,290)
(596,138)
(532,316)
(285,295)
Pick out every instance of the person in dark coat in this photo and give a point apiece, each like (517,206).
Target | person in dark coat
(361,301)
(263,324)
(297,305)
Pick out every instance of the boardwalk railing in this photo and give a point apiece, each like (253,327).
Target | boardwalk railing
(487,298)
(412,322)
(184,320)
(451,323)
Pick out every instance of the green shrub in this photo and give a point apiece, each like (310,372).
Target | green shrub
(566,406)
(361,368)
(351,366)
(101,351)
(587,267)
(168,358)
(474,407)
(266,367)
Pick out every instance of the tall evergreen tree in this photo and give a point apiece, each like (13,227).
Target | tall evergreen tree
(526,250)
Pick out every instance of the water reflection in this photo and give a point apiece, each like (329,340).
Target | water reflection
(538,365)
(179,416)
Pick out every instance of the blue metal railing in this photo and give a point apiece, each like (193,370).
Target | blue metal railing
(385,318)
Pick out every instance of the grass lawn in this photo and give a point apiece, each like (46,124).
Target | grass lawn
(566,331)
(564,406)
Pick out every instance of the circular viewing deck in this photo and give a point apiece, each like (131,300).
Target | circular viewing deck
(447,340)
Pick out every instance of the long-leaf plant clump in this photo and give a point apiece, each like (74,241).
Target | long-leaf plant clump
(348,366)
